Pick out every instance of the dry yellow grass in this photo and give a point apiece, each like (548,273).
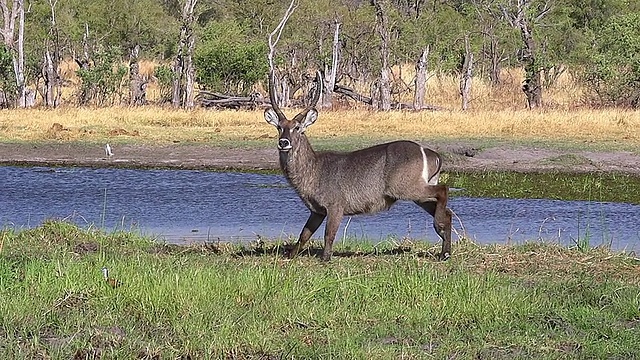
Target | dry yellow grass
(68,72)
(161,125)
(441,90)
(496,112)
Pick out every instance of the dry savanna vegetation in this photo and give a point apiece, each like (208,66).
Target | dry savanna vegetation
(496,113)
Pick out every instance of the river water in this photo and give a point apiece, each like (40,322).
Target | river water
(184,206)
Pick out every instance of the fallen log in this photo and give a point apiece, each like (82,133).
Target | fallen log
(343,90)
(218,100)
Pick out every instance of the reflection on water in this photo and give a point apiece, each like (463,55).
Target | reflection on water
(180,206)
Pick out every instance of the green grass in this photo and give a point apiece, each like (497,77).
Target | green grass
(370,302)
(614,187)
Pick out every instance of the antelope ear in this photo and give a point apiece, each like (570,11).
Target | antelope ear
(271,117)
(311,117)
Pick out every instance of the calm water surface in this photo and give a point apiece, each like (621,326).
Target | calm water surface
(184,206)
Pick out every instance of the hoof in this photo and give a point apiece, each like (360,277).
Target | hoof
(444,256)
(292,253)
(326,258)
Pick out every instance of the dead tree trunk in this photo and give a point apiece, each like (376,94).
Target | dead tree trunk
(285,98)
(421,80)
(382,25)
(18,61)
(183,71)
(331,73)
(494,73)
(274,37)
(532,86)
(467,71)
(50,76)
(137,83)
(190,72)
(16,46)
(84,62)
(51,91)
(518,17)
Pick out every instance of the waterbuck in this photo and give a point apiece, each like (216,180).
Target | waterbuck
(333,184)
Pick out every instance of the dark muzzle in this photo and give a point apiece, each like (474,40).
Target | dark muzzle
(284,144)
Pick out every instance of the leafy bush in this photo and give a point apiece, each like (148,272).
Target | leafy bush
(7,78)
(613,73)
(101,81)
(164,77)
(228,60)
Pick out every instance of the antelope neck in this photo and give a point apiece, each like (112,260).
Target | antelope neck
(298,160)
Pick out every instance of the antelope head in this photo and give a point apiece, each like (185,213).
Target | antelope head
(290,131)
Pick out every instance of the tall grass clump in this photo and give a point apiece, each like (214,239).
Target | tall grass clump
(232,301)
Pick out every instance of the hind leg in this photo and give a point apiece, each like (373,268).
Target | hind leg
(441,216)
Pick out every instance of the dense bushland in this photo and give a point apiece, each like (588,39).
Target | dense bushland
(597,41)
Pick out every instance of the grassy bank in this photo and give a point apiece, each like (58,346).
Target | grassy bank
(391,301)
(609,129)
(608,187)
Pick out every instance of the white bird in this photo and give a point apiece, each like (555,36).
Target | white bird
(114,283)
(107,150)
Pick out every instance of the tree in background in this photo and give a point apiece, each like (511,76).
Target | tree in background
(51,90)
(137,82)
(227,59)
(13,40)
(183,71)
(522,17)
(613,72)
(382,97)
(562,34)
(102,77)
(7,81)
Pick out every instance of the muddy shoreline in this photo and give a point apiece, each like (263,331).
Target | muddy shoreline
(458,156)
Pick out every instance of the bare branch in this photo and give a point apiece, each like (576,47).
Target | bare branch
(5,20)
(277,32)
(543,12)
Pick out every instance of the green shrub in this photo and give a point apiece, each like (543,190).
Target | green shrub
(613,72)
(164,77)
(7,78)
(101,81)
(228,60)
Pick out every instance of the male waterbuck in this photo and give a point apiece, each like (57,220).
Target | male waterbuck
(333,184)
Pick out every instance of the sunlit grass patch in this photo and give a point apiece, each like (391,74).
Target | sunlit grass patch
(386,301)
(567,159)
(584,128)
(613,187)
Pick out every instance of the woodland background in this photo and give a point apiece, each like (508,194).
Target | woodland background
(380,52)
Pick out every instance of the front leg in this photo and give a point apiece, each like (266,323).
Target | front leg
(334,218)
(310,227)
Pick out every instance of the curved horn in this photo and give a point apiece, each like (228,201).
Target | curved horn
(315,99)
(272,96)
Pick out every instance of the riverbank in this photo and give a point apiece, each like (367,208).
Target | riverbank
(561,140)
(389,301)
(461,156)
